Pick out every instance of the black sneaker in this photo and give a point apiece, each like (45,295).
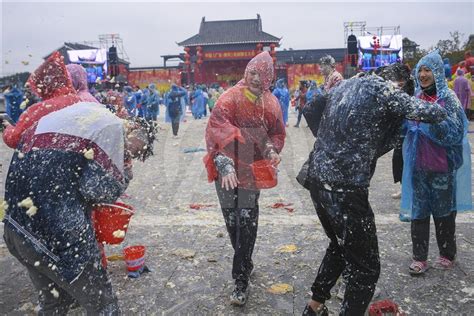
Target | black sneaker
(239,295)
(322,311)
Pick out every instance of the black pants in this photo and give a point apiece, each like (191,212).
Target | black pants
(175,127)
(348,221)
(397,165)
(445,236)
(175,124)
(92,290)
(240,210)
(300,114)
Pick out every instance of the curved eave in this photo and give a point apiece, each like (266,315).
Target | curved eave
(227,43)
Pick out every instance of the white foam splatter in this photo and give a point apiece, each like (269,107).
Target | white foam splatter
(119,233)
(89,154)
(32,211)
(26,203)
(55,293)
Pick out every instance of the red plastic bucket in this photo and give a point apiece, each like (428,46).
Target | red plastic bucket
(265,174)
(134,257)
(110,218)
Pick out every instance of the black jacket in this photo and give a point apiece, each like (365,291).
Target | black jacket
(360,123)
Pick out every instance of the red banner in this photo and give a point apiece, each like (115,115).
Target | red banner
(241,54)
(299,72)
(162,78)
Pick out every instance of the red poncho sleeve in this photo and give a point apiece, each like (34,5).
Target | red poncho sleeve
(220,131)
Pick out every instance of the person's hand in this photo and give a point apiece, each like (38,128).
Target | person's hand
(6,123)
(275,158)
(230,181)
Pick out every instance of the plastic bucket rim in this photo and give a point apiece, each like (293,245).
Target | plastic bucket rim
(138,247)
(117,206)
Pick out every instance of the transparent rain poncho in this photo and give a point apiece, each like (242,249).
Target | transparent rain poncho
(283,96)
(50,81)
(243,126)
(78,76)
(13,100)
(438,153)
(172,97)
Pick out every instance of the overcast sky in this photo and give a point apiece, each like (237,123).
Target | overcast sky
(152,29)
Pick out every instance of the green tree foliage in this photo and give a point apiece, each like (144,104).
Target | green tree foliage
(452,48)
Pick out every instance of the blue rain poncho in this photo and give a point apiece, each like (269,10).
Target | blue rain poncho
(153,103)
(439,153)
(175,97)
(281,93)
(130,101)
(199,104)
(13,100)
(312,91)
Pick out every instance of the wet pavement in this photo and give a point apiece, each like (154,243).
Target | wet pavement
(191,256)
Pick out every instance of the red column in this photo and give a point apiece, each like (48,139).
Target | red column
(187,62)
(197,69)
(273,54)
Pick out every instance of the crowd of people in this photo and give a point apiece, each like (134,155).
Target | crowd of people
(125,100)
(355,121)
(73,150)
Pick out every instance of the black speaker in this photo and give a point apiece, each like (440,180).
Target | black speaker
(113,57)
(353,61)
(352,45)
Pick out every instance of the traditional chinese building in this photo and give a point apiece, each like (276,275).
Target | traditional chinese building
(221,50)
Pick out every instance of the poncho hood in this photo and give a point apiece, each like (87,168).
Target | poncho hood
(78,76)
(434,62)
(263,65)
(51,78)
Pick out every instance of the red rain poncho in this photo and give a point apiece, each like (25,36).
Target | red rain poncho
(51,82)
(243,126)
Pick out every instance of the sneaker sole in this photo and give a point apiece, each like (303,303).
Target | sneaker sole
(236,302)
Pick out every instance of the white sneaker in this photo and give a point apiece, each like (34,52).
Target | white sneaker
(397,196)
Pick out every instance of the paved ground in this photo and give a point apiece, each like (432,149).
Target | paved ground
(168,183)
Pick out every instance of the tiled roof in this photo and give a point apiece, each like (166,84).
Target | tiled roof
(77,46)
(69,46)
(230,32)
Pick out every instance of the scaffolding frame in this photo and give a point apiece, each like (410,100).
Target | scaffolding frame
(108,40)
(354,28)
(360,28)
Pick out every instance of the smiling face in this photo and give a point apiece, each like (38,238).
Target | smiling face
(425,76)
(253,81)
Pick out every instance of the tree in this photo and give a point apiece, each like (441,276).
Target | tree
(469,46)
(451,45)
